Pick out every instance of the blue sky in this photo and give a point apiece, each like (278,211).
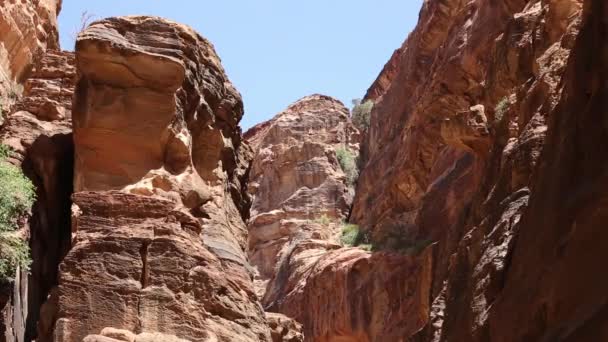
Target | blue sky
(277,51)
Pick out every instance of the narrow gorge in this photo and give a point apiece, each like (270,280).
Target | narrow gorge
(462,199)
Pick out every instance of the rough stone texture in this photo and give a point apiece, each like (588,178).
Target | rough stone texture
(300,196)
(453,155)
(41,144)
(284,329)
(27,29)
(553,290)
(295,179)
(158,235)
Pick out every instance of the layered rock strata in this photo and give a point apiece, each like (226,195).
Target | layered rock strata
(27,29)
(455,154)
(158,232)
(301,196)
(38,133)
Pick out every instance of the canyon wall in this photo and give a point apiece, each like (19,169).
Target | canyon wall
(36,85)
(301,198)
(27,29)
(473,147)
(38,133)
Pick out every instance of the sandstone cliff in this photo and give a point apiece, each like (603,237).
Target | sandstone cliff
(457,153)
(158,236)
(27,29)
(480,203)
(38,132)
(301,197)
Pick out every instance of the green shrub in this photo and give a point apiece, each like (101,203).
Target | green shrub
(361,114)
(17,196)
(501,108)
(352,236)
(348,164)
(324,220)
(14,252)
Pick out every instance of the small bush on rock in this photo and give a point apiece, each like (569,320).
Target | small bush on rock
(352,236)
(348,164)
(361,114)
(500,109)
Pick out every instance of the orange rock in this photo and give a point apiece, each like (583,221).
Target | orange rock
(158,231)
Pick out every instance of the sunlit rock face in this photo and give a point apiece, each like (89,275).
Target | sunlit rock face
(27,29)
(158,232)
(301,195)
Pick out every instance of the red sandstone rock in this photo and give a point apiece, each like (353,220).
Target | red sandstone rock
(41,145)
(453,150)
(158,236)
(338,294)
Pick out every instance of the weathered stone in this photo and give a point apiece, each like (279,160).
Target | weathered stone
(284,329)
(300,196)
(158,233)
(41,144)
(27,29)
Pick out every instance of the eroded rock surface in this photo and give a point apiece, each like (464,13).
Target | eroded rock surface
(454,156)
(158,234)
(27,29)
(300,196)
(38,133)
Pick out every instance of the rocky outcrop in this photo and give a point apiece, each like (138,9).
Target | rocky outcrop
(301,196)
(158,235)
(453,156)
(296,179)
(27,29)
(38,133)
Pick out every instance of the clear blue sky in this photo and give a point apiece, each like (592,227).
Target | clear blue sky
(277,51)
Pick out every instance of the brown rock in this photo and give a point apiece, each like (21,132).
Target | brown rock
(295,179)
(284,329)
(455,160)
(338,294)
(42,145)
(158,234)
(27,29)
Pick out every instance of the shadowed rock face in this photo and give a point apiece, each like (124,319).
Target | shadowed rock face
(158,233)
(300,196)
(27,29)
(463,150)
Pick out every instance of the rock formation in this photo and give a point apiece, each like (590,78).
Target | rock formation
(456,154)
(38,132)
(300,198)
(158,236)
(27,29)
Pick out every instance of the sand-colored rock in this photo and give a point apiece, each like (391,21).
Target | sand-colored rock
(158,231)
(27,29)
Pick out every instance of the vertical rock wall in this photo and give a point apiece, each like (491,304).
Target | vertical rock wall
(158,235)
(300,198)
(38,133)
(27,29)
